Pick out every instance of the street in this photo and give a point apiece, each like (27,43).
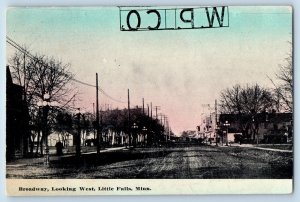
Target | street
(180,162)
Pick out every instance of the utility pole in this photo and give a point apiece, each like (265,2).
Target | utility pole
(24,79)
(216,122)
(151,109)
(161,119)
(25,100)
(148,110)
(165,128)
(156,108)
(168,128)
(97,115)
(94,116)
(93,108)
(129,131)
(78,139)
(143,107)
(169,131)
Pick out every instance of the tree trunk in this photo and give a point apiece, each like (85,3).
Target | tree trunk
(31,145)
(38,142)
(113,138)
(41,146)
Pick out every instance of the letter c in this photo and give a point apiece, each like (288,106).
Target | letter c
(158,19)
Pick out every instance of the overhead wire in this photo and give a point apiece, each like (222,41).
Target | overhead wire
(20,48)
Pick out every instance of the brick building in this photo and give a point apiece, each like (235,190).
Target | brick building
(17,120)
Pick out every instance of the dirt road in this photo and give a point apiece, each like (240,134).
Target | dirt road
(201,162)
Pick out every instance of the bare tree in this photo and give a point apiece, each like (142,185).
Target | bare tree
(230,101)
(41,75)
(246,102)
(284,84)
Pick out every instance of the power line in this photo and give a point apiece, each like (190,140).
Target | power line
(20,48)
(27,53)
(107,95)
(99,89)
(83,83)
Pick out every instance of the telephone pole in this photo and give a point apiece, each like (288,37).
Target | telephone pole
(161,119)
(143,106)
(93,109)
(165,126)
(151,109)
(148,110)
(168,128)
(129,129)
(97,116)
(216,123)
(156,108)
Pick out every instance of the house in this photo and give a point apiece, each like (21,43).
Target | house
(17,119)
(66,139)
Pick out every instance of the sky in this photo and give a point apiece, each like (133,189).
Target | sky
(177,70)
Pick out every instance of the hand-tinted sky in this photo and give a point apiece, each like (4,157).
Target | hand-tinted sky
(177,70)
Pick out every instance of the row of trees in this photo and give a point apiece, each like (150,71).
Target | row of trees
(47,81)
(114,122)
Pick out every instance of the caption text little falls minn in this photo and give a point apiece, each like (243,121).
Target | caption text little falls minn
(83,189)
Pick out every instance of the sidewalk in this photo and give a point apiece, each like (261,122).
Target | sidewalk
(40,160)
(261,148)
(106,150)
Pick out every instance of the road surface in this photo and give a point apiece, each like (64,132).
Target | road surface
(196,162)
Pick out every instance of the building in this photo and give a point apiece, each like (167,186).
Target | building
(189,135)
(17,120)
(208,128)
(66,139)
(265,127)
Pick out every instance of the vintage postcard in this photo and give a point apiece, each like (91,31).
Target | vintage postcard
(149,100)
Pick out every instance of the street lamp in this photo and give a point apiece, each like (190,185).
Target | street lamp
(45,104)
(254,129)
(216,132)
(134,127)
(144,129)
(267,115)
(226,124)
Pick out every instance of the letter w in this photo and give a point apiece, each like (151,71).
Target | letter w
(215,12)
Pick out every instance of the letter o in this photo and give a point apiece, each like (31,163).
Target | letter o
(138,18)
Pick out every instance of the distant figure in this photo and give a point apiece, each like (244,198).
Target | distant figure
(59,148)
